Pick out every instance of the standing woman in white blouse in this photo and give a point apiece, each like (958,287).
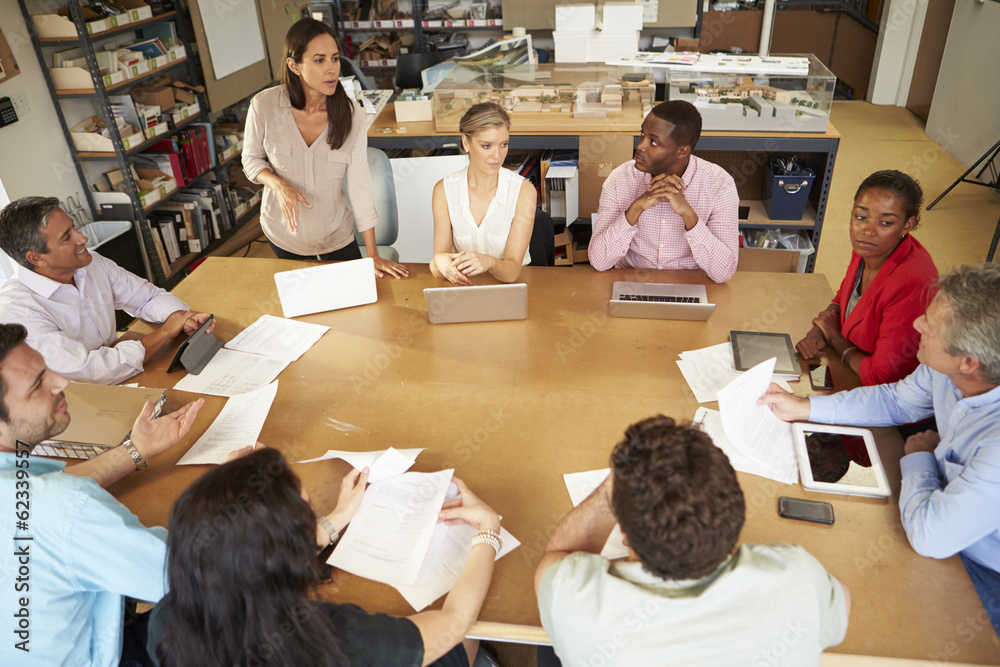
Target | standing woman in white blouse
(301,138)
(484,213)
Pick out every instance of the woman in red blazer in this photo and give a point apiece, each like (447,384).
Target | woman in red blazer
(888,284)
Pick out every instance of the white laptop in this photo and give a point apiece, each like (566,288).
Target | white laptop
(485,303)
(662,301)
(318,289)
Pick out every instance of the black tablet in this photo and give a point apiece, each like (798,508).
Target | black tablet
(195,352)
(752,347)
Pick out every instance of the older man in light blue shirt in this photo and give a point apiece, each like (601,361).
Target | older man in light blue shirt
(950,493)
(71,551)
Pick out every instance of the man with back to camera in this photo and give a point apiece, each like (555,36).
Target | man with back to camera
(666,208)
(686,594)
(66,296)
(951,478)
(72,551)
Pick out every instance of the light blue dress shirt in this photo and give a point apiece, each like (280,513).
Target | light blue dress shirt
(949,500)
(87,551)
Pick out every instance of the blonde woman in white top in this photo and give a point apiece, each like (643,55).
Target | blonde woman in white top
(301,138)
(484,213)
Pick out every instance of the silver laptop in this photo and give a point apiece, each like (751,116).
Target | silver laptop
(485,303)
(662,301)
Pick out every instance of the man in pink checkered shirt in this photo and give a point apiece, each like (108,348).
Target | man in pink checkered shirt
(666,208)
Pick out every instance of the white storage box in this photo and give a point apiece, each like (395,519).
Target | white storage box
(570,47)
(575,17)
(94,141)
(77,78)
(622,16)
(605,45)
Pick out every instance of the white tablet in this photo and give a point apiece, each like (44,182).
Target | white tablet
(839,459)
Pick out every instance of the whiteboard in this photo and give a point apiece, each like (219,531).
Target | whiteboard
(234,36)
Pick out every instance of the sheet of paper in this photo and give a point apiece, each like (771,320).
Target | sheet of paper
(238,425)
(752,428)
(388,538)
(582,484)
(231,373)
(318,289)
(277,337)
(710,369)
(710,421)
(449,550)
(381,465)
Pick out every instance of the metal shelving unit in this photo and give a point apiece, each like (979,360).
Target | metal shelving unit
(161,275)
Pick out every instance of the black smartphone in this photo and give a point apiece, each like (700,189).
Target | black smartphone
(805,510)
(819,377)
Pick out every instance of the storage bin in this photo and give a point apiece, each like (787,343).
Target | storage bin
(785,196)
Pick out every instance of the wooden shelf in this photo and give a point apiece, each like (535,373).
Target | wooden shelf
(758,217)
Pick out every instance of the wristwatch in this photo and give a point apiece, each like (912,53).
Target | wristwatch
(137,459)
(326,525)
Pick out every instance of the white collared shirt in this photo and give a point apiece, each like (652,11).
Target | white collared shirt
(489,237)
(73,326)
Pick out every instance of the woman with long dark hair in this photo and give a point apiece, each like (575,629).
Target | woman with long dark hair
(241,563)
(301,138)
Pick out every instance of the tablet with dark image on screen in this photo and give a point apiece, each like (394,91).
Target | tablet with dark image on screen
(753,347)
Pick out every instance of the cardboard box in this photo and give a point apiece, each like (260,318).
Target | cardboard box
(454,23)
(563,203)
(77,78)
(137,10)
(179,114)
(176,53)
(147,178)
(403,23)
(138,69)
(56,26)
(85,138)
(161,96)
(433,24)
(157,130)
(185,94)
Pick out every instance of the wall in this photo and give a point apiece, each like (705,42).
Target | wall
(36,159)
(929,55)
(963,116)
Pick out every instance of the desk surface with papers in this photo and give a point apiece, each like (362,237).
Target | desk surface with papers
(512,406)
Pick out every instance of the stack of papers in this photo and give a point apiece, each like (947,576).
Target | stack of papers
(254,357)
(710,369)
(395,538)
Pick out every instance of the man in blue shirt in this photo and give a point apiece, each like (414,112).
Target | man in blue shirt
(951,478)
(72,552)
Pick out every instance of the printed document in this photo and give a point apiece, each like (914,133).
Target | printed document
(580,485)
(710,369)
(389,536)
(277,337)
(450,548)
(710,421)
(752,428)
(231,373)
(237,426)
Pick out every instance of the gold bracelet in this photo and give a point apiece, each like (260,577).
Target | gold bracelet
(843,356)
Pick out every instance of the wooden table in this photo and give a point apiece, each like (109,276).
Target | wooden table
(514,405)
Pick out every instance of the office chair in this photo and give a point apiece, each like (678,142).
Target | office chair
(541,246)
(384,196)
(349,67)
(410,65)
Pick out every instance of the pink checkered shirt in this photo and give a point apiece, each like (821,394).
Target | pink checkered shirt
(658,240)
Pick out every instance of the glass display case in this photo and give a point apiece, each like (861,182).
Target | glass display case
(544,97)
(748,101)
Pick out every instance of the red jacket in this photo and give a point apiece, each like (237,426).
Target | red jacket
(881,323)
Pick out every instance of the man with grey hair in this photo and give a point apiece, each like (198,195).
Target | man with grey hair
(66,296)
(951,479)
